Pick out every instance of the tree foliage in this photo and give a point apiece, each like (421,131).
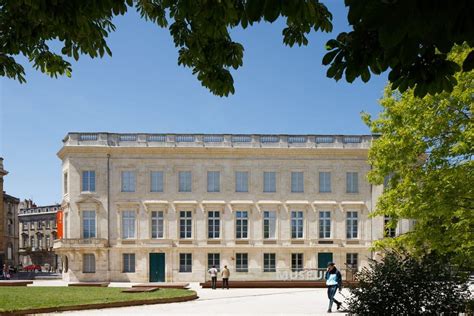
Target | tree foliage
(400,284)
(426,148)
(412,37)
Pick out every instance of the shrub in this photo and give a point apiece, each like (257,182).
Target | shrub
(400,284)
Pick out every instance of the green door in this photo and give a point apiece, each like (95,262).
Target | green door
(157,267)
(323,259)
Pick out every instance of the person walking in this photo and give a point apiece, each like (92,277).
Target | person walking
(213,272)
(333,282)
(225,277)
(6,272)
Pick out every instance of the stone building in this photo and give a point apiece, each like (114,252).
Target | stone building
(38,230)
(154,207)
(8,224)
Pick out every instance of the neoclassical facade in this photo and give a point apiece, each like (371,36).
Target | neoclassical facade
(166,207)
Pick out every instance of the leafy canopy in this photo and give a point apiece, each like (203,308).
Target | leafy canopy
(411,37)
(426,150)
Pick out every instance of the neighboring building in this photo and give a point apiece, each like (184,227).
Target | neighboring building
(8,224)
(153,207)
(38,230)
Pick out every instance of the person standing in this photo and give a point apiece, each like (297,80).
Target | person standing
(225,277)
(6,272)
(333,282)
(213,273)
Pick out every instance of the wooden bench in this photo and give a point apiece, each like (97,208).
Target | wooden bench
(140,289)
(164,285)
(15,282)
(94,284)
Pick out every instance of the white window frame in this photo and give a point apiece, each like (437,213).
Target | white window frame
(323,224)
(213,181)
(128,181)
(270,216)
(269,262)
(187,267)
(352,182)
(241,221)
(185,184)
(297,182)
(325,182)
(297,222)
(88,183)
(350,258)
(89,217)
(352,225)
(131,222)
(297,261)
(242,181)
(213,224)
(242,262)
(187,217)
(157,181)
(128,263)
(156,218)
(88,263)
(211,260)
(267,184)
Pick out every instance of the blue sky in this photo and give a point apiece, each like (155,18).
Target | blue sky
(142,89)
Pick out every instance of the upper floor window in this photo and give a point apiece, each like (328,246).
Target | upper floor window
(352,225)
(10,227)
(48,241)
(241,224)
(88,181)
(213,227)
(88,263)
(269,224)
(128,262)
(297,224)
(325,224)
(213,181)
(156,181)
(241,181)
(352,182)
(297,182)
(185,181)
(157,224)
(324,182)
(185,262)
(88,224)
(128,181)
(388,230)
(269,181)
(128,224)
(185,224)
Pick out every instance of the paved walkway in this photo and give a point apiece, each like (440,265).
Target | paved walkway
(227,302)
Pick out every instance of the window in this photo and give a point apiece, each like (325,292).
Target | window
(213,181)
(296,262)
(389,232)
(185,262)
(39,242)
(38,225)
(128,224)
(324,182)
(241,181)
(242,263)
(10,227)
(10,252)
(185,179)
(352,260)
(269,224)
(88,263)
(351,225)
(352,179)
(297,182)
(128,262)
(128,181)
(88,224)
(88,181)
(185,224)
(213,259)
(48,244)
(297,224)
(157,224)
(25,226)
(65,183)
(32,242)
(269,182)
(269,262)
(241,223)
(156,181)
(48,224)
(213,221)
(325,224)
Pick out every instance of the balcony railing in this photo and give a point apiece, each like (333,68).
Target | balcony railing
(80,243)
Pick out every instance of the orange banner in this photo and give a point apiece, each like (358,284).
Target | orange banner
(59,221)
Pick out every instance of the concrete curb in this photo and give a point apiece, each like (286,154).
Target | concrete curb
(102,305)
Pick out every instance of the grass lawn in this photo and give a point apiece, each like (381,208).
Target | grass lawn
(17,298)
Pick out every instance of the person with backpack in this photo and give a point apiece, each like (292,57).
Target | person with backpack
(333,282)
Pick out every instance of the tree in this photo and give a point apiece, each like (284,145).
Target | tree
(400,284)
(425,149)
(411,37)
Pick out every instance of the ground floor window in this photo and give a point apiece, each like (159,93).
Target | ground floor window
(242,262)
(88,263)
(185,262)
(269,262)
(296,262)
(213,259)
(128,262)
(352,260)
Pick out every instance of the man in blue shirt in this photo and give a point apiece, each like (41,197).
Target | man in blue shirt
(333,282)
